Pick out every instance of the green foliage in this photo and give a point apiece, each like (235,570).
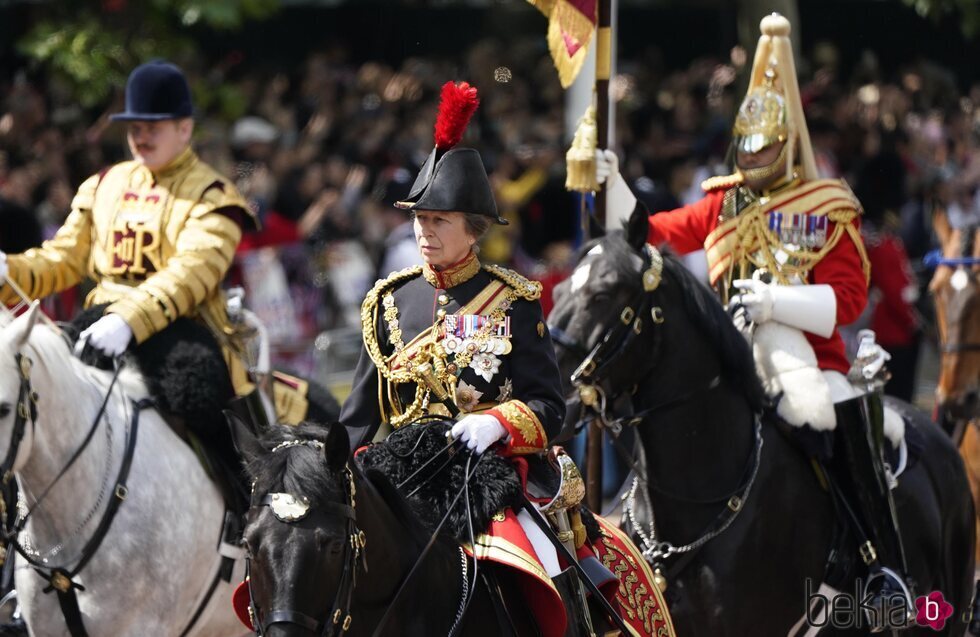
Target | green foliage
(93,44)
(967,12)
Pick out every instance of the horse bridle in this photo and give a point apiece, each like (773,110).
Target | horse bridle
(935,260)
(618,338)
(289,508)
(61,579)
(26,412)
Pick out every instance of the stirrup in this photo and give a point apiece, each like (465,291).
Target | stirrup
(891,584)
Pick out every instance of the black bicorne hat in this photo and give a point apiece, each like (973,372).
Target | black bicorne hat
(455,182)
(156,91)
(453,179)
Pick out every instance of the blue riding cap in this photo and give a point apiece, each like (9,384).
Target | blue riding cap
(156,91)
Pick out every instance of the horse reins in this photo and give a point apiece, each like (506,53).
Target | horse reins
(60,579)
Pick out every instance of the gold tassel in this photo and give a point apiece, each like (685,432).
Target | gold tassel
(580,158)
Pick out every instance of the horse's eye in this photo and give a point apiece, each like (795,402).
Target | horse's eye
(5,410)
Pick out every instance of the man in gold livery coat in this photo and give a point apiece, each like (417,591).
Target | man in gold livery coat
(157,235)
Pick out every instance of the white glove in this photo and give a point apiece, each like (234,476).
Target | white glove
(620,200)
(870,355)
(756,298)
(3,266)
(110,335)
(811,308)
(606,167)
(478,431)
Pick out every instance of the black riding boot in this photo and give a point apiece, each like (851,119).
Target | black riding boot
(576,610)
(860,479)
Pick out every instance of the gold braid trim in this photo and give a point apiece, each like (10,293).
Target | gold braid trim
(524,288)
(369,321)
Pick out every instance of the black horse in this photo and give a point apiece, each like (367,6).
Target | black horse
(304,570)
(760,523)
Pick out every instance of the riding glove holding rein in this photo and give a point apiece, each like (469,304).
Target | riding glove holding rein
(110,335)
(479,431)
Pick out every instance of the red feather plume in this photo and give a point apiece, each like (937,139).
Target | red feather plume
(457,104)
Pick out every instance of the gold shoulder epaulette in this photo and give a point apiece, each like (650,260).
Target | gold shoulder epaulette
(393,279)
(722,182)
(524,287)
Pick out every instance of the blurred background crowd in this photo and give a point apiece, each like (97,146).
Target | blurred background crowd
(323,146)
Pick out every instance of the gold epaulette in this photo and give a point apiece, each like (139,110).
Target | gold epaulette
(370,304)
(722,182)
(524,287)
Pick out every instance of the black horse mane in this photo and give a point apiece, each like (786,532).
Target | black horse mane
(299,470)
(714,323)
(706,313)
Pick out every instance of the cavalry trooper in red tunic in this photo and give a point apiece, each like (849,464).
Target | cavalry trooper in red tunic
(785,245)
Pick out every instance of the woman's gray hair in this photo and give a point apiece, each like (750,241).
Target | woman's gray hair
(477,225)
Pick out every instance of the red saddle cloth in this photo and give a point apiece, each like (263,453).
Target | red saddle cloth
(640,602)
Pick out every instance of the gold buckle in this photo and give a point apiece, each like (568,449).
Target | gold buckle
(657,314)
(735,503)
(627,315)
(121,491)
(347,621)
(868,553)
(60,582)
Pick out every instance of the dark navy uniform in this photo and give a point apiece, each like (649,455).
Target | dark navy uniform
(482,330)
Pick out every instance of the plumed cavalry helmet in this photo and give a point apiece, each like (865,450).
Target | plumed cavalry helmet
(156,91)
(772,110)
(453,179)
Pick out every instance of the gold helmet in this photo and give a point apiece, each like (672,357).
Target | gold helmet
(772,111)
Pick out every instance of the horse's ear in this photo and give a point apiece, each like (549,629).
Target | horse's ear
(638,228)
(21,328)
(336,448)
(246,442)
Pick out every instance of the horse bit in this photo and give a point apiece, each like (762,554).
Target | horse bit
(289,508)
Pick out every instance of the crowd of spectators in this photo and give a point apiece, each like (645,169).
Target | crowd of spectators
(325,148)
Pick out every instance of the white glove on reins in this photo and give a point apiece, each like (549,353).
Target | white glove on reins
(110,335)
(3,266)
(478,431)
(811,308)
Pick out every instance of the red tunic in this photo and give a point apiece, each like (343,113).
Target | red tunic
(894,319)
(685,230)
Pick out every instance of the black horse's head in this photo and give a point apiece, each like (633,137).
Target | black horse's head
(631,317)
(301,532)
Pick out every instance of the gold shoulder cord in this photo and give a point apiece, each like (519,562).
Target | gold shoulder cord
(369,318)
(522,286)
